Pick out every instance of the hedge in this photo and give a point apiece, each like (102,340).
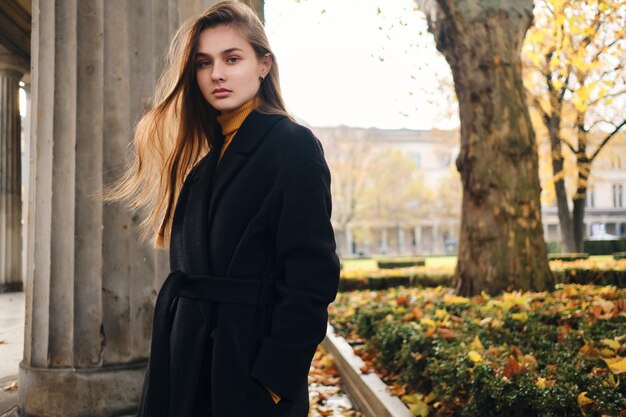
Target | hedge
(563,272)
(515,355)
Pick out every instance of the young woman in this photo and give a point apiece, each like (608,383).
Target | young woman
(241,193)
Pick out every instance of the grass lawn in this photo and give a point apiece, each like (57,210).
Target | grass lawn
(370,264)
(431,262)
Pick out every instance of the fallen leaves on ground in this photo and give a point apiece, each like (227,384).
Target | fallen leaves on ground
(11,387)
(563,350)
(326,397)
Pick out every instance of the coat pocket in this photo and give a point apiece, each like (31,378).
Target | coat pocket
(266,402)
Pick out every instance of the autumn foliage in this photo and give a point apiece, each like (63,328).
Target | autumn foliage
(517,354)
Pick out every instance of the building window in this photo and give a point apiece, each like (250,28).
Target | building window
(622,229)
(618,192)
(553,232)
(591,197)
(611,228)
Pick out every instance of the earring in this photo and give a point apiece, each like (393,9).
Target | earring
(261,79)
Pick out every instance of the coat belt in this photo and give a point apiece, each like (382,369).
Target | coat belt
(155,395)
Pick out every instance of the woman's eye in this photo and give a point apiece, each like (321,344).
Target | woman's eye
(203,64)
(232,59)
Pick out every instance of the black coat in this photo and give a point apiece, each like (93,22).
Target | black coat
(262,213)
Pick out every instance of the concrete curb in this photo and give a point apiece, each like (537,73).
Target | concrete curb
(368,391)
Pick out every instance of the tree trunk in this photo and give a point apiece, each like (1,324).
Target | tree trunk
(583,165)
(579,216)
(501,245)
(558,177)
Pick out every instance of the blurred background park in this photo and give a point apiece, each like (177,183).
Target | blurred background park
(478,160)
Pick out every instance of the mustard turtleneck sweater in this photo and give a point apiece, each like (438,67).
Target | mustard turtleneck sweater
(230,123)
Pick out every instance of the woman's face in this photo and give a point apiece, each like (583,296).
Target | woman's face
(227,69)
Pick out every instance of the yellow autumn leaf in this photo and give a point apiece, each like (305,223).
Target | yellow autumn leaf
(455,299)
(579,61)
(419,410)
(557,83)
(416,404)
(583,93)
(11,387)
(474,356)
(327,361)
(428,322)
(616,365)
(606,352)
(515,299)
(535,35)
(541,383)
(583,399)
(610,381)
(523,316)
(432,397)
(441,313)
(476,344)
(613,344)
(580,105)
(608,291)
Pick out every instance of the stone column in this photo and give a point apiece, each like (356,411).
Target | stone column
(90,284)
(189,8)
(418,240)
(437,249)
(11,71)
(401,242)
(25,166)
(384,244)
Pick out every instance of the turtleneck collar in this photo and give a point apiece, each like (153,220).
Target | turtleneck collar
(231,121)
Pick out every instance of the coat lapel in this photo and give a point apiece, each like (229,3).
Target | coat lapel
(204,169)
(246,140)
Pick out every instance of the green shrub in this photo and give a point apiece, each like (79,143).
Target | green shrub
(567,256)
(515,355)
(425,278)
(390,263)
(616,277)
(553,246)
(604,247)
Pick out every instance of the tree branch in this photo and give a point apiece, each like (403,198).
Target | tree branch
(606,139)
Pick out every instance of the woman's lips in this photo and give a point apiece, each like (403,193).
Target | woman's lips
(221,92)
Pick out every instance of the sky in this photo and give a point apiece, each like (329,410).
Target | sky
(360,63)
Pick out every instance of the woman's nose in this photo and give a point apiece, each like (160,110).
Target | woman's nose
(218,72)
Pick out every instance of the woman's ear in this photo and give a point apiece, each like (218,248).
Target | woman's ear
(266,63)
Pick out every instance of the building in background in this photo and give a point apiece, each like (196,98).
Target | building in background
(373,165)
(605,211)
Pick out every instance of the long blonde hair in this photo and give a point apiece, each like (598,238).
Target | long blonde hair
(179,130)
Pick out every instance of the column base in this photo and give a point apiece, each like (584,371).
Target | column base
(69,392)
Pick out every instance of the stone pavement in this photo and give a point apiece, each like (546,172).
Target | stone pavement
(11,345)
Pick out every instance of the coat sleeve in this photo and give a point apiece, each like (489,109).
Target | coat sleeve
(305,250)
